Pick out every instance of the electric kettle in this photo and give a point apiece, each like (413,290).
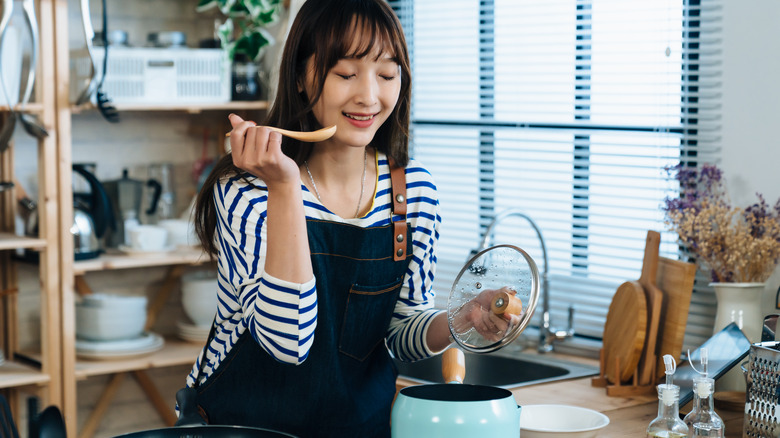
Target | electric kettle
(92,216)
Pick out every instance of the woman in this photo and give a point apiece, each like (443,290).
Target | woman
(326,256)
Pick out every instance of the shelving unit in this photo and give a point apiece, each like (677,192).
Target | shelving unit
(18,376)
(54,367)
(76,276)
(174,352)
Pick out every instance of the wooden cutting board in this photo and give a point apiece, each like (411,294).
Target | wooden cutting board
(654,298)
(624,332)
(675,278)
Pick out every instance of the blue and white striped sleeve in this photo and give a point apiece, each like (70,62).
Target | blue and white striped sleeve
(280,315)
(415,310)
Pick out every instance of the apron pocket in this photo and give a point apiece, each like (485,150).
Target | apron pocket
(366,318)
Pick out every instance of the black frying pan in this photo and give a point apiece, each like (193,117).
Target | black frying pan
(190,424)
(207,432)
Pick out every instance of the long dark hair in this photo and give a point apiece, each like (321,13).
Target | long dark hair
(323,30)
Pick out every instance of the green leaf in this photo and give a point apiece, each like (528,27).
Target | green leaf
(205,5)
(253,43)
(225,33)
(262,12)
(267,17)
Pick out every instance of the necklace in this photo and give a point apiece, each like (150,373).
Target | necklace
(362,183)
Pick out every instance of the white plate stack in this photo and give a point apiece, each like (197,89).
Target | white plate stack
(192,332)
(140,346)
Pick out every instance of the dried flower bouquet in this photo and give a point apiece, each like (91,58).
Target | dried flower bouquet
(736,245)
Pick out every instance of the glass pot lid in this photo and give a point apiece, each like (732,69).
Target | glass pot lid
(484,306)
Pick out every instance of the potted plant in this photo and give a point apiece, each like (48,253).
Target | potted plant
(740,247)
(245,38)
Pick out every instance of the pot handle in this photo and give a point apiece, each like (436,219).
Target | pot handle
(505,303)
(453,365)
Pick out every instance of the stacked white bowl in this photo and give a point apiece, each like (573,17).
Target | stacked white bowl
(181,232)
(110,317)
(199,296)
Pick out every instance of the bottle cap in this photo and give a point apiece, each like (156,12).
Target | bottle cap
(668,394)
(703,386)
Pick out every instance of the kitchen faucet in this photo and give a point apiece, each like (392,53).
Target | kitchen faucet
(547,334)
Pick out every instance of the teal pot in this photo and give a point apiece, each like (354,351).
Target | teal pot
(453,410)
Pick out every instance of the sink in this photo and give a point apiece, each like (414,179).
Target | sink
(499,369)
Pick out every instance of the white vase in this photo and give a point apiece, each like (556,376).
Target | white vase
(739,303)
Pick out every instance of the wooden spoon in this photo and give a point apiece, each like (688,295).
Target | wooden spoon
(313,136)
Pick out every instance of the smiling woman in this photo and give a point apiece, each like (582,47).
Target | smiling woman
(326,249)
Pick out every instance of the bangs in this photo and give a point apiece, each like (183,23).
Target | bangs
(357,30)
(365,37)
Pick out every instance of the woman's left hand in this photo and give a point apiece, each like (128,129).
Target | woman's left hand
(477,315)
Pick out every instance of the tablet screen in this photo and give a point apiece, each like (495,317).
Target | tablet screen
(725,349)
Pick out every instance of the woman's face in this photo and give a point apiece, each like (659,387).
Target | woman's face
(358,96)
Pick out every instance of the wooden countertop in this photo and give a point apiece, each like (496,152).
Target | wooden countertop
(628,416)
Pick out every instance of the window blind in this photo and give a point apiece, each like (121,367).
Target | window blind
(568,110)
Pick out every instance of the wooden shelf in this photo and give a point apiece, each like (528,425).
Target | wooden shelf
(14,374)
(189,108)
(174,352)
(12,241)
(118,260)
(31,107)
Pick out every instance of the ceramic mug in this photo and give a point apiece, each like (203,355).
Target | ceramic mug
(148,238)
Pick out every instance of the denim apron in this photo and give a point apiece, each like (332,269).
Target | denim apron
(345,387)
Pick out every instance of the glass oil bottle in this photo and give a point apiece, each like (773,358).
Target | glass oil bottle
(668,423)
(703,421)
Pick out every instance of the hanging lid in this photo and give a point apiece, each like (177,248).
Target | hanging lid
(493,298)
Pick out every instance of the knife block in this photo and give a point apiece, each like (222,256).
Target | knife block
(619,389)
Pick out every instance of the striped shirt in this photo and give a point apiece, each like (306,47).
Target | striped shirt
(281,315)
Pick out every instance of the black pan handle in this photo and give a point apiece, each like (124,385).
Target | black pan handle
(188,408)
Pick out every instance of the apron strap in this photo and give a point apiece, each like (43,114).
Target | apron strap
(398,180)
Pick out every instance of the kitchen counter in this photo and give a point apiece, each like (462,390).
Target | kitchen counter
(628,416)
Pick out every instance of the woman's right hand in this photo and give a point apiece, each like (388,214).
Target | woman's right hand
(258,150)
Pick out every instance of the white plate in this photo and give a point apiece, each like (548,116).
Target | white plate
(144,344)
(192,328)
(137,252)
(193,338)
(192,332)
